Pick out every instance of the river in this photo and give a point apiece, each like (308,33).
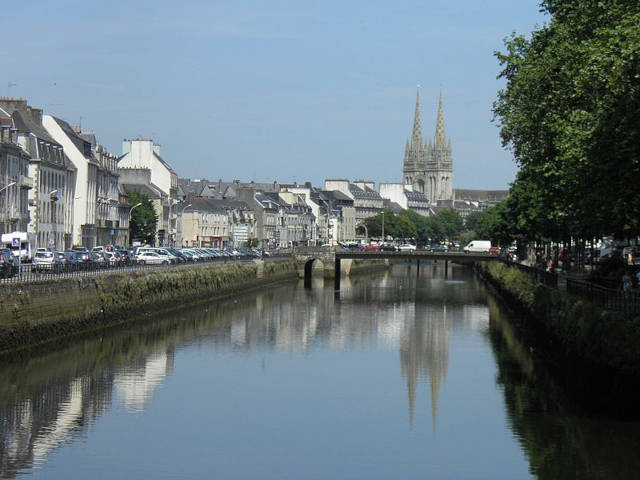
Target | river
(407,374)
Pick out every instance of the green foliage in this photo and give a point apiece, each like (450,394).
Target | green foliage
(424,227)
(570,113)
(251,243)
(396,226)
(582,330)
(143,220)
(447,224)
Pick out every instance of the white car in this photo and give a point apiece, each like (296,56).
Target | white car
(407,247)
(151,258)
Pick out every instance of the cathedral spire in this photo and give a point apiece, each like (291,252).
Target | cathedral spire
(416,137)
(440,138)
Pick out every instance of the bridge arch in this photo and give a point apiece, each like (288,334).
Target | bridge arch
(309,266)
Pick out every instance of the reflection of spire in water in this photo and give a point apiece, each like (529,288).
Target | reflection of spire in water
(137,386)
(424,353)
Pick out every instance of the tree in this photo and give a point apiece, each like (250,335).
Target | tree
(396,226)
(143,221)
(424,229)
(447,224)
(570,112)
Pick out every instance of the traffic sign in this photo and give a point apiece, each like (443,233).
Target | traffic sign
(15,242)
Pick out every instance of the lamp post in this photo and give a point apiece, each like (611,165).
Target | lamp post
(7,199)
(383,226)
(182,217)
(53,196)
(131,210)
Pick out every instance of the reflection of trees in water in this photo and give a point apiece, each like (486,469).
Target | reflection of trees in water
(558,439)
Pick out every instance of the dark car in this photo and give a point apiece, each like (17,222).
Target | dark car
(8,267)
(439,248)
(72,259)
(388,248)
(82,254)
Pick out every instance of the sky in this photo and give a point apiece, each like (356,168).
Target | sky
(277,90)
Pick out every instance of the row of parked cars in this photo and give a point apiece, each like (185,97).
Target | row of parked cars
(80,258)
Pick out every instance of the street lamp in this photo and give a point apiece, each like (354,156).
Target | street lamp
(53,196)
(131,210)
(7,202)
(182,219)
(383,226)
(7,186)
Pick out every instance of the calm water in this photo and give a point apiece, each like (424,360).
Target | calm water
(403,376)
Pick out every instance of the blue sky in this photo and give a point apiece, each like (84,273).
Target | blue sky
(284,90)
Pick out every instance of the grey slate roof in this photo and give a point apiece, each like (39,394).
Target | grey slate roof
(84,146)
(27,125)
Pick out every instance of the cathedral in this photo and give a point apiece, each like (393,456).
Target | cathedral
(428,166)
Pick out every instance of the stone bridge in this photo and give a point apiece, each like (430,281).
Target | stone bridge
(306,256)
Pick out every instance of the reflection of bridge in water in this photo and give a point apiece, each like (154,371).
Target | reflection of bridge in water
(328,255)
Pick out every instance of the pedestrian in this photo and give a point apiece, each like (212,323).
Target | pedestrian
(626,282)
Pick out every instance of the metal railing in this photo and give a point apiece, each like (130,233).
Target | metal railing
(29,273)
(603,296)
(607,298)
(550,279)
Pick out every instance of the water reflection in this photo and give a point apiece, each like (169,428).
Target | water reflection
(48,399)
(560,439)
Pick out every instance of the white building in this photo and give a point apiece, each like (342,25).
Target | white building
(141,168)
(80,151)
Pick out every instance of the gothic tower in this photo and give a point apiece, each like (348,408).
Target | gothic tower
(428,167)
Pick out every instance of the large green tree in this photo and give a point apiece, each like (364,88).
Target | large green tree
(143,221)
(570,113)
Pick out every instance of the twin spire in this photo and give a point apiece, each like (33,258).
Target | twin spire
(439,139)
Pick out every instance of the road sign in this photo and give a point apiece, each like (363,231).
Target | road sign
(15,242)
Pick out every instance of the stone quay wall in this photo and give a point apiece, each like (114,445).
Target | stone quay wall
(39,313)
(575,330)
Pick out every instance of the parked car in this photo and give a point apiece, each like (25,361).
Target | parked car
(8,263)
(152,258)
(72,259)
(388,248)
(82,254)
(407,247)
(494,250)
(371,248)
(45,261)
(439,248)
(98,260)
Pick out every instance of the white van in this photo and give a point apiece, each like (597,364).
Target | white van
(27,247)
(478,246)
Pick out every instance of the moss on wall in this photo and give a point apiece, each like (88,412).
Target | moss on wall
(41,312)
(576,328)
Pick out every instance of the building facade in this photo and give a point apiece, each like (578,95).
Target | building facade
(428,165)
(143,169)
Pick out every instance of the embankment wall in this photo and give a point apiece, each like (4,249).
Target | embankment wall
(37,313)
(579,331)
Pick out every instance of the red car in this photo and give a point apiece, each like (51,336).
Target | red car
(494,250)
(368,248)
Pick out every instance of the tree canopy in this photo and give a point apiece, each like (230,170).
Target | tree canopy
(143,221)
(570,113)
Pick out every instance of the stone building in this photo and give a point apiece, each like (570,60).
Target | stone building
(143,169)
(428,165)
(209,222)
(14,175)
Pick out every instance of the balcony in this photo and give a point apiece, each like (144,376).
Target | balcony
(25,182)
